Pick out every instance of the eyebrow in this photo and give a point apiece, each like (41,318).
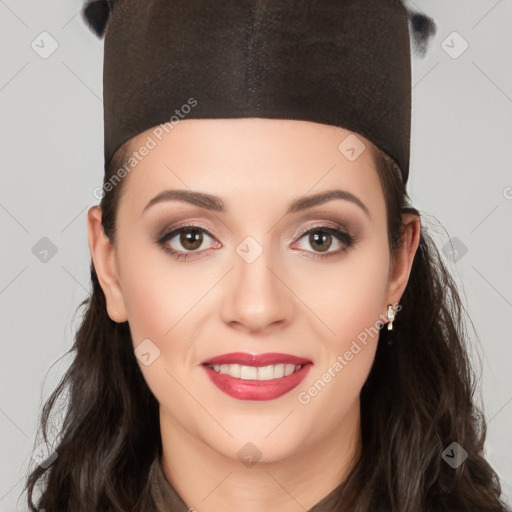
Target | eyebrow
(216,204)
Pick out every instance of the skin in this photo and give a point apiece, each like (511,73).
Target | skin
(285,301)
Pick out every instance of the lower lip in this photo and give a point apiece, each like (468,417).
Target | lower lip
(250,389)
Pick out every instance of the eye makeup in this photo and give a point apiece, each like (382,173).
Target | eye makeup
(200,233)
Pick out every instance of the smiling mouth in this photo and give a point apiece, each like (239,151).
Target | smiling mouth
(269,372)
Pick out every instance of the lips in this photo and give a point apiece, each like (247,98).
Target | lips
(253,389)
(256,359)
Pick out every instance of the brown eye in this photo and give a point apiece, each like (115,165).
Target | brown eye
(320,240)
(191,239)
(185,240)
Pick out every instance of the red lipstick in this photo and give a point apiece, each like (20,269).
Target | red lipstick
(256,359)
(255,389)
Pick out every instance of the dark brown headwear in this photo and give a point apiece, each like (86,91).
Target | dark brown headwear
(339,62)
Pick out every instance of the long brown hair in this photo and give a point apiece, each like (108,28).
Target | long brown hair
(417,400)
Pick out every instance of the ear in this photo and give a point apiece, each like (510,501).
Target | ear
(401,265)
(105,264)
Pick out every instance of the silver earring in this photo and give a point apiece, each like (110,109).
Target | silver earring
(391,317)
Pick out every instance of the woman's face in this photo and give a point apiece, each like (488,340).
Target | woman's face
(246,279)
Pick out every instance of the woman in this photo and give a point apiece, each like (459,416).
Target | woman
(270,325)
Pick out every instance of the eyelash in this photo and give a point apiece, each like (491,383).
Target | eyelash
(343,236)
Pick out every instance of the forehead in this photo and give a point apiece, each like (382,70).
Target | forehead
(252,160)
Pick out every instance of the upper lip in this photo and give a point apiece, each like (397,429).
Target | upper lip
(245,359)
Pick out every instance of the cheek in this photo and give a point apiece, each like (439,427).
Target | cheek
(160,303)
(348,295)
(156,292)
(151,308)
(348,299)
(361,294)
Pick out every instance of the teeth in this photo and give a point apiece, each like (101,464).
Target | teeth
(273,371)
(247,372)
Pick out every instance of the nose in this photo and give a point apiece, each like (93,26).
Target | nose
(257,297)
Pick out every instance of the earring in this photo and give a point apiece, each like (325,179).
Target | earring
(391,317)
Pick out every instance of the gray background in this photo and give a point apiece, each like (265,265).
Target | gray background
(52,159)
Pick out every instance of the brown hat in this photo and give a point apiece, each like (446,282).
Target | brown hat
(340,62)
